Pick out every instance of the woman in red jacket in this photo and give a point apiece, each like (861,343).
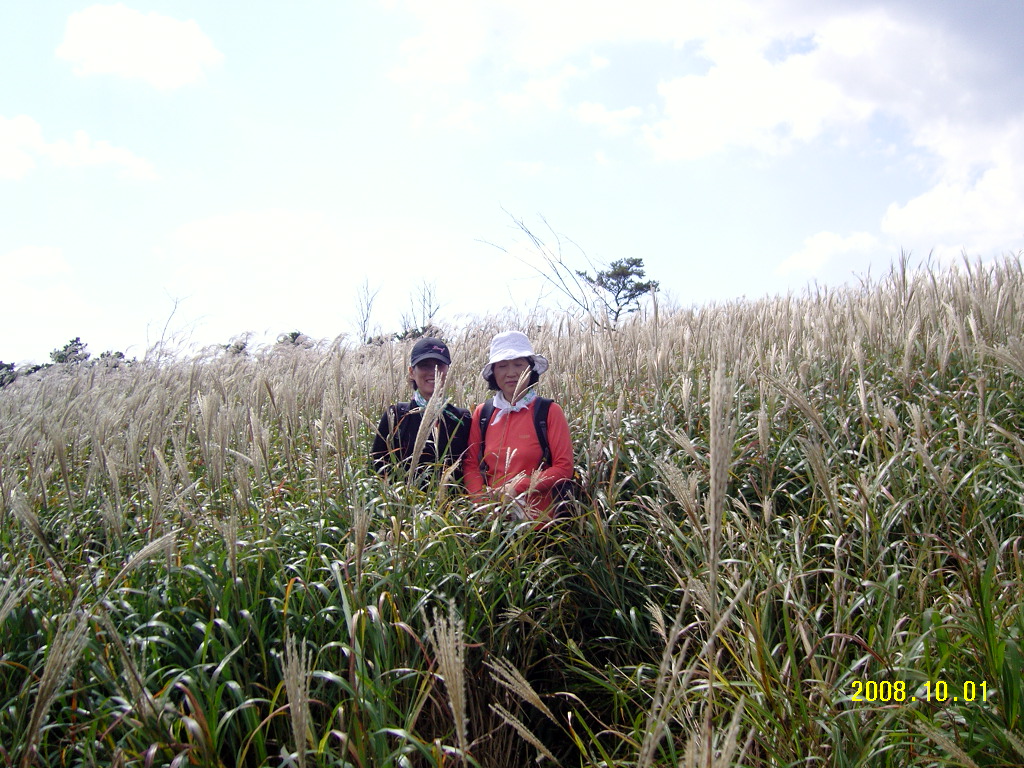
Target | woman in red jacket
(511,463)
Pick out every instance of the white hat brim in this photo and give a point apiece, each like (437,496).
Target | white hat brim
(540,363)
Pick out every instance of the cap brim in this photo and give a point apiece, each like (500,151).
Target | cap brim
(430,357)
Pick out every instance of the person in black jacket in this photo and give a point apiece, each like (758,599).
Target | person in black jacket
(396,434)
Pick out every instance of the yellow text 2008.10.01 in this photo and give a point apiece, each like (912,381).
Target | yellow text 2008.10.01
(938,690)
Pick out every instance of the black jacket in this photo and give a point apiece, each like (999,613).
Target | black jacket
(396,436)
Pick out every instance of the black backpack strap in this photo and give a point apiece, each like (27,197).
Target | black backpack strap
(399,411)
(563,492)
(485,418)
(540,422)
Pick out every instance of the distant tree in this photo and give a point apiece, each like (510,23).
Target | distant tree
(620,287)
(237,346)
(416,324)
(72,352)
(405,335)
(419,332)
(295,340)
(114,359)
(422,309)
(7,373)
(605,296)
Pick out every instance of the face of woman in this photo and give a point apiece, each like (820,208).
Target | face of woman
(507,374)
(426,374)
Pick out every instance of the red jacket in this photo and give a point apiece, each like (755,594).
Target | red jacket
(512,448)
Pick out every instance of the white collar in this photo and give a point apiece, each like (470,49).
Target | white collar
(503,406)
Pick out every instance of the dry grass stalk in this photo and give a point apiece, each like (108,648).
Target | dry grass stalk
(30,520)
(505,673)
(142,701)
(360,530)
(1015,741)
(687,445)
(447,483)
(819,470)
(228,528)
(527,735)
(298,665)
(797,398)
(12,590)
(67,645)
(947,744)
(163,545)
(684,488)
(657,620)
(704,753)
(723,430)
(445,636)
(668,686)
(673,681)
(428,426)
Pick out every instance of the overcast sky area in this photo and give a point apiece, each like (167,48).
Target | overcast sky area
(217,168)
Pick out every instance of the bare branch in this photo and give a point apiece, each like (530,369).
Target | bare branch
(606,296)
(364,308)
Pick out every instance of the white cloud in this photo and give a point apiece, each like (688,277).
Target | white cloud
(976,203)
(535,35)
(782,72)
(55,313)
(527,168)
(250,245)
(614,121)
(909,70)
(539,93)
(263,270)
(39,295)
(33,262)
(752,98)
(821,248)
(277,270)
(454,36)
(244,271)
(465,117)
(22,142)
(116,40)
(83,151)
(861,66)
(529,50)
(950,218)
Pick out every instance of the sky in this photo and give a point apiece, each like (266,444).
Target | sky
(194,171)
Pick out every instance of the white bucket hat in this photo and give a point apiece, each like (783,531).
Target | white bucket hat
(508,346)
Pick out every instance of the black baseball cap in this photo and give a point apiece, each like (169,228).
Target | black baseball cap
(429,348)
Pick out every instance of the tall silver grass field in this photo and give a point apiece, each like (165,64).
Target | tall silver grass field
(798,543)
